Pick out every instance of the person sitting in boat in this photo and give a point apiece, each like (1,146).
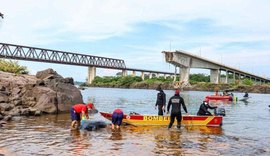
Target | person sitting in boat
(246,95)
(204,109)
(176,101)
(79,111)
(161,101)
(117,118)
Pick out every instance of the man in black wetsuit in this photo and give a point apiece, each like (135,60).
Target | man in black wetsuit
(161,101)
(246,94)
(204,109)
(176,101)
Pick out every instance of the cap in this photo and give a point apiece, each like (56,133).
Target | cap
(90,105)
(205,102)
(177,91)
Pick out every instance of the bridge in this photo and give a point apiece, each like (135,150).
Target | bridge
(26,53)
(184,61)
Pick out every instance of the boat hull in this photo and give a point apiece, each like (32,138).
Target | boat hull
(215,97)
(155,120)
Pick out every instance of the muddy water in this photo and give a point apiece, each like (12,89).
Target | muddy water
(245,129)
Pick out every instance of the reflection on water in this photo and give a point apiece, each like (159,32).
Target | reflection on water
(50,134)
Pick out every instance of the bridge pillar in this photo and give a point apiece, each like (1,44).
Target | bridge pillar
(157,75)
(233,77)
(175,71)
(91,74)
(214,76)
(165,76)
(184,75)
(124,72)
(150,75)
(142,75)
(133,73)
(227,76)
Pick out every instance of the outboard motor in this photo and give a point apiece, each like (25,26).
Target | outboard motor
(220,112)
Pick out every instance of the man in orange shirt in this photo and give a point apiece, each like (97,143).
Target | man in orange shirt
(79,111)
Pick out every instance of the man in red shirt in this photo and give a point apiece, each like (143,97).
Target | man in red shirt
(76,111)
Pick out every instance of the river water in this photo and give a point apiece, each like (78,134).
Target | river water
(245,129)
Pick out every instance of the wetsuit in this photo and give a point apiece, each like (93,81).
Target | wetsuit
(203,109)
(117,117)
(176,101)
(246,95)
(161,101)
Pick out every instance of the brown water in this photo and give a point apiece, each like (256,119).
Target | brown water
(245,130)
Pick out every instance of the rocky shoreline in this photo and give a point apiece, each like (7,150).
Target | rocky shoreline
(30,95)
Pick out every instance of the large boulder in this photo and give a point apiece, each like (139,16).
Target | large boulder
(46,92)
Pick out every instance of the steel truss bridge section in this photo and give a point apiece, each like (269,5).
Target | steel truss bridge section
(12,51)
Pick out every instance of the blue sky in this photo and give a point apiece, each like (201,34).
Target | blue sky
(233,32)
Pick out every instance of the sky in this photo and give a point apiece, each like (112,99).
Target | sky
(232,32)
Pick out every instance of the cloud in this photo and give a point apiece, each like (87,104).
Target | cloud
(138,30)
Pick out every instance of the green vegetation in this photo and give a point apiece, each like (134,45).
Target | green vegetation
(12,67)
(115,81)
(195,78)
(247,82)
(200,82)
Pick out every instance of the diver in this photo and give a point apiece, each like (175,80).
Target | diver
(176,101)
(246,95)
(2,15)
(161,101)
(204,109)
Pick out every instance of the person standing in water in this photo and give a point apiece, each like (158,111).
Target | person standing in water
(117,118)
(77,112)
(176,102)
(161,101)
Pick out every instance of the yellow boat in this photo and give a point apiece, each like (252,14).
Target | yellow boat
(187,120)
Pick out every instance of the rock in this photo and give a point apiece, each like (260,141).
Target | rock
(3,98)
(47,74)
(2,88)
(16,91)
(69,80)
(37,113)
(25,112)
(17,102)
(46,92)
(8,118)
(1,117)
(5,107)
(40,83)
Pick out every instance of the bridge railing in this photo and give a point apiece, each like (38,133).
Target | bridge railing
(20,52)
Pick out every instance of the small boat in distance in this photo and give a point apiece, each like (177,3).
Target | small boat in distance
(218,97)
(155,120)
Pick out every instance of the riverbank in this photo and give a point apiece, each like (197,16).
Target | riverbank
(200,86)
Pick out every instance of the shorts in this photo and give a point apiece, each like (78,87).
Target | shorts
(74,115)
(117,118)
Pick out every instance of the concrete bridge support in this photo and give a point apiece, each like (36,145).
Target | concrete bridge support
(184,75)
(214,76)
(124,72)
(133,73)
(150,75)
(91,74)
(227,76)
(142,76)
(157,75)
